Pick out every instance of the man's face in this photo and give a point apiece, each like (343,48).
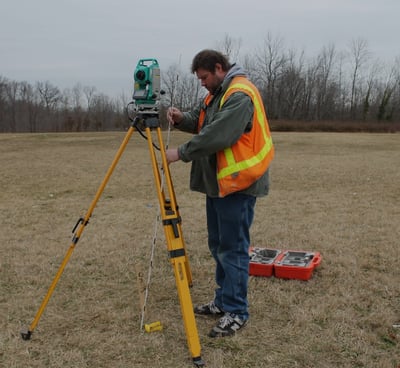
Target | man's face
(211,80)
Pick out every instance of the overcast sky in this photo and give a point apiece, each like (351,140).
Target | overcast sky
(98,42)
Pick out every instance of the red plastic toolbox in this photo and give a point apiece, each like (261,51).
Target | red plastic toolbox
(296,264)
(262,261)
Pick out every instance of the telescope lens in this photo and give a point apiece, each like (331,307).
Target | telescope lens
(140,75)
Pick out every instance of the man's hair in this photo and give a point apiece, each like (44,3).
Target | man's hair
(207,59)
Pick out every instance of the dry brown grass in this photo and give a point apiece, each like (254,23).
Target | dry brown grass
(333,193)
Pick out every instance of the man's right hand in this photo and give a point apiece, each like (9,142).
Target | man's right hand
(174,115)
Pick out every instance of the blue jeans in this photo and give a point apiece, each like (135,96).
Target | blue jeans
(229,220)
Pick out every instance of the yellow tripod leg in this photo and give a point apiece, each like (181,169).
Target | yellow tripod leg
(176,246)
(174,204)
(166,203)
(80,226)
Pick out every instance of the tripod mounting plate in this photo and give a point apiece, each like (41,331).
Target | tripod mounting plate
(146,120)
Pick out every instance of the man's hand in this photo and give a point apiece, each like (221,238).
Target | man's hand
(174,115)
(172,155)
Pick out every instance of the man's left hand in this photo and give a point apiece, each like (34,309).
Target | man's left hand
(172,155)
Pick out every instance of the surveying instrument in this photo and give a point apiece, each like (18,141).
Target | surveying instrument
(145,104)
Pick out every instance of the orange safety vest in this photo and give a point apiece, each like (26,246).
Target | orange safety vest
(247,160)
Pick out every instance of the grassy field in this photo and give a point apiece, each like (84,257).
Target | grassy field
(337,194)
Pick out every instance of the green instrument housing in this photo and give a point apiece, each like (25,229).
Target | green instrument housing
(147,83)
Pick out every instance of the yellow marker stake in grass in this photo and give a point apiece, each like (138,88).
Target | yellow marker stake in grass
(152,327)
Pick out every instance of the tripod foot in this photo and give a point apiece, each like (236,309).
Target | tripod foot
(26,334)
(198,362)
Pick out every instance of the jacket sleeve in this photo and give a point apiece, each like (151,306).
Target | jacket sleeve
(225,128)
(189,122)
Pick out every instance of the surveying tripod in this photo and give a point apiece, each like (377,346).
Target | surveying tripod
(172,228)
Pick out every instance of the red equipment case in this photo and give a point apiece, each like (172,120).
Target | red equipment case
(262,261)
(296,265)
(286,264)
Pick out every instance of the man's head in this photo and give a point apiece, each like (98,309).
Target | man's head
(210,66)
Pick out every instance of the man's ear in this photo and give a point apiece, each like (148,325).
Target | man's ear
(218,68)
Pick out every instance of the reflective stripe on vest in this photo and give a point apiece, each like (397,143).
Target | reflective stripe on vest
(233,166)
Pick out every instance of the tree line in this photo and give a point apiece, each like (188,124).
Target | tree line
(333,86)
(43,107)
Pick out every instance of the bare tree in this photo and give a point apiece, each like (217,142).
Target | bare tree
(249,64)
(292,85)
(76,94)
(182,89)
(230,47)
(359,54)
(309,93)
(190,92)
(341,86)
(395,104)
(102,112)
(89,93)
(371,90)
(11,89)
(30,99)
(325,94)
(170,81)
(3,103)
(269,62)
(387,90)
(49,94)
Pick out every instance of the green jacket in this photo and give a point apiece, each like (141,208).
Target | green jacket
(221,129)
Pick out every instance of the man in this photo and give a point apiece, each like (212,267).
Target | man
(230,154)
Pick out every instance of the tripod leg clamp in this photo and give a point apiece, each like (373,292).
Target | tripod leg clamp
(177,253)
(81,220)
(174,222)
